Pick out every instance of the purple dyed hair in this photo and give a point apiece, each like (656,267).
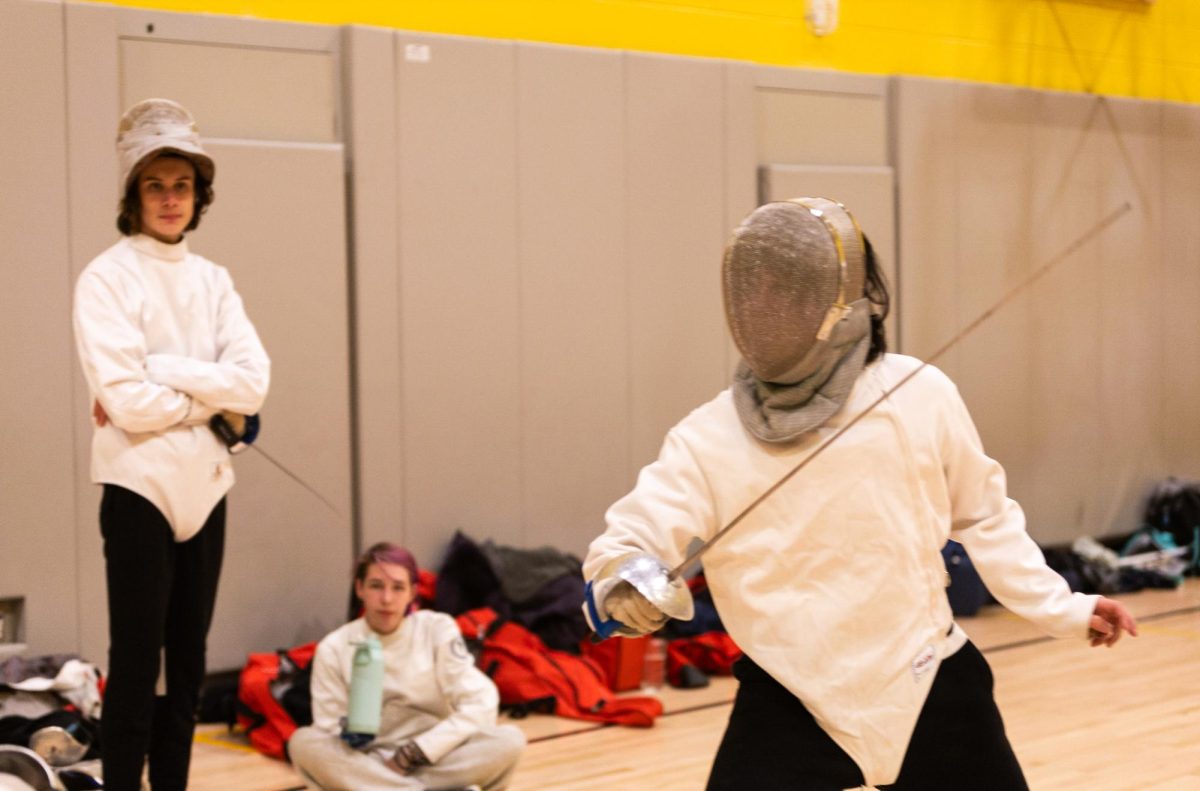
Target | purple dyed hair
(385,552)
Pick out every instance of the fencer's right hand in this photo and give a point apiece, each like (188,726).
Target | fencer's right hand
(618,600)
(408,758)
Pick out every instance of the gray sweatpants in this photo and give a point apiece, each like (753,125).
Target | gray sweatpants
(326,763)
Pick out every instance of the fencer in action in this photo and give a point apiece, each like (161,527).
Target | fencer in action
(834,586)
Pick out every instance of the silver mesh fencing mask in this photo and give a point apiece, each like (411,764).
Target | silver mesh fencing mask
(790,274)
(152,127)
(794,277)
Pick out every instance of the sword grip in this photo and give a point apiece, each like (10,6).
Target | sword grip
(220,426)
(603,629)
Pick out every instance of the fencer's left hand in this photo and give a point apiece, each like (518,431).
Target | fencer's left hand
(1109,619)
(408,758)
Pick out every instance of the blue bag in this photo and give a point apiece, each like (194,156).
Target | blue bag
(967,593)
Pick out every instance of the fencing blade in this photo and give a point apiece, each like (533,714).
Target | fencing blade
(279,465)
(1065,253)
(237,440)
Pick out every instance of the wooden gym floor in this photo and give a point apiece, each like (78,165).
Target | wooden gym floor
(1120,719)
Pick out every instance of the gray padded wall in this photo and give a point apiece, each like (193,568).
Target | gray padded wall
(1180,352)
(742,161)
(1066,382)
(37,518)
(575,377)
(91,114)
(676,232)
(278,224)
(927,228)
(1130,345)
(820,117)
(287,554)
(1063,366)
(773,149)
(551,303)
(369,93)
(454,321)
(970,163)
(825,134)
(459,337)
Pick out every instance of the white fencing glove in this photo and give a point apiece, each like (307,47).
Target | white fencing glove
(620,601)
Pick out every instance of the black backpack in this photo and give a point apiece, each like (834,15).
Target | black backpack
(1174,506)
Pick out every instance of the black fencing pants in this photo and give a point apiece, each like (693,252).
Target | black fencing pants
(160,603)
(772,742)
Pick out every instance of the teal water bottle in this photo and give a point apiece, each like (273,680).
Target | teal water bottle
(366,688)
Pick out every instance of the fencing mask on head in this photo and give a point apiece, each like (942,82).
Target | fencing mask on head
(155,126)
(794,278)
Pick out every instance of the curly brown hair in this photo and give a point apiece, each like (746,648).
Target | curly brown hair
(129,218)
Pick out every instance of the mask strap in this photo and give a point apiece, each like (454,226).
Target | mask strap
(839,309)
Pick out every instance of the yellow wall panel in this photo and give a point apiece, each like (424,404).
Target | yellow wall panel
(1011,24)
(938,17)
(1096,32)
(1186,14)
(983,61)
(745,7)
(1181,48)
(1182,84)
(1124,47)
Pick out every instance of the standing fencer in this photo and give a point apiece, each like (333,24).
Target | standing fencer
(834,586)
(165,344)
(437,727)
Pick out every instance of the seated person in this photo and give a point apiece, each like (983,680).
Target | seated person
(438,726)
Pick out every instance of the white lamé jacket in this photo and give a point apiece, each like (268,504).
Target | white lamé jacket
(165,342)
(432,691)
(835,584)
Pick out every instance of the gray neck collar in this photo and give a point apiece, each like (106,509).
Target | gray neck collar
(781,413)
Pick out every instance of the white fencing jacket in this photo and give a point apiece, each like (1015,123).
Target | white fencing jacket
(835,584)
(432,691)
(165,343)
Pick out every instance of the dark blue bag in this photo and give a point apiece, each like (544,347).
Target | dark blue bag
(967,593)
